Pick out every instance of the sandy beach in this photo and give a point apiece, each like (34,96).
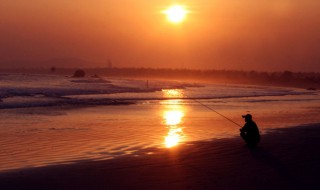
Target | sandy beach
(285,159)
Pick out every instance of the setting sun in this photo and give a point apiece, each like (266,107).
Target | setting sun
(176,13)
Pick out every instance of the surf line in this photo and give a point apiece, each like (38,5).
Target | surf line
(217,112)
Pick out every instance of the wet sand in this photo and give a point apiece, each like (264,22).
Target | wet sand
(42,136)
(285,159)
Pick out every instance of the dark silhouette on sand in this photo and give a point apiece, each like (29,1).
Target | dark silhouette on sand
(250,132)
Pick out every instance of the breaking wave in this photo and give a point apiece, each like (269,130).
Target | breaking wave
(21,91)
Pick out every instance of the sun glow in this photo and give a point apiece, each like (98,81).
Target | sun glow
(176,13)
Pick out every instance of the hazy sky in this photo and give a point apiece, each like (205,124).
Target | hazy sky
(265,35)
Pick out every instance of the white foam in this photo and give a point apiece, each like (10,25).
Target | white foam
(47,90)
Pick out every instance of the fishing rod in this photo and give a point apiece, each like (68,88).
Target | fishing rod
(207,108)
(217,113)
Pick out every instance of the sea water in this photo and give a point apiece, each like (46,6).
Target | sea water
(51,119)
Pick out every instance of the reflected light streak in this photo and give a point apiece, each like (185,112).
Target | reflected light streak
(174,137)
(172,93)
(173,118)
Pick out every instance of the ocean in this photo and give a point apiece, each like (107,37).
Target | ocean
(53,119)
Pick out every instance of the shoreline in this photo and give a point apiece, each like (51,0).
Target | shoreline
(285,159)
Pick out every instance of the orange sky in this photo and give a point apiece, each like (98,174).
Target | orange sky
(272,35)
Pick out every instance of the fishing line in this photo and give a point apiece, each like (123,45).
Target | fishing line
(217,112)
(211,109)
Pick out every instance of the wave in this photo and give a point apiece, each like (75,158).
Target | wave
(23,91)
(36,101)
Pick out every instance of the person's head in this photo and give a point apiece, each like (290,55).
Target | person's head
(247,117)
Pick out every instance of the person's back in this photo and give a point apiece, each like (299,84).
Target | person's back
(250,132)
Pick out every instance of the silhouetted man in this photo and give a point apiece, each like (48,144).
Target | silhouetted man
(250,132)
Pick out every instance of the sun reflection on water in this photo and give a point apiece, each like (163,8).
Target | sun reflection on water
(173,117)
(172,93)
(174,137)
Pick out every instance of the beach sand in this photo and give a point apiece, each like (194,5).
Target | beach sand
(285,159)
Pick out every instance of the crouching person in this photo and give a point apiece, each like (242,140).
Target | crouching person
(250,132)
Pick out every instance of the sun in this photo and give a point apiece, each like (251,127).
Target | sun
(176,13)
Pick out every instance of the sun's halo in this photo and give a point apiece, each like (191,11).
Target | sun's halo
(176,13)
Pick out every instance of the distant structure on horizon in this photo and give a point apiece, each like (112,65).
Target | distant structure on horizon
(79,73)
(109,64)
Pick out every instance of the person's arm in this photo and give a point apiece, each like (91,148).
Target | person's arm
(244,128)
